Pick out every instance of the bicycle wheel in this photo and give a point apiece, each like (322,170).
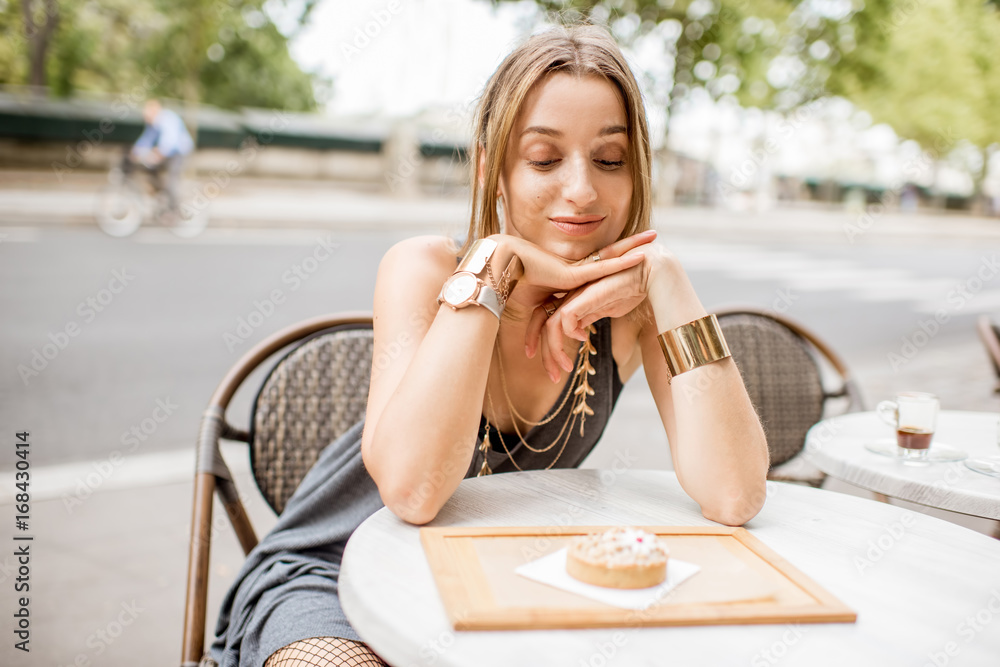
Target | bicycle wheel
(120,209)
(192,218)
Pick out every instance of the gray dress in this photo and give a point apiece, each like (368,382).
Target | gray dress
(287,589)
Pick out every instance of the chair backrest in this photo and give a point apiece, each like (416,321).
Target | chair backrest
(778,362)
(989,333)
(315,393)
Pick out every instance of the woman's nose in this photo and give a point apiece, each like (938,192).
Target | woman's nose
(578,186)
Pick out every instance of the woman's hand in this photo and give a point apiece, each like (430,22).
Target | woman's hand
(614,295)
(546,274)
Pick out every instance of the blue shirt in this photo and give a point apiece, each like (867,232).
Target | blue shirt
(167,134)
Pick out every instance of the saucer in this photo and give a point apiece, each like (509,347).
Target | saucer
(939,452)
(987,466)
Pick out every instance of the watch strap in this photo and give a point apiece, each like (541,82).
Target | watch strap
(488,298)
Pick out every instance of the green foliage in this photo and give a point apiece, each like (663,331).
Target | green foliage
(726,47)
(928,68)
(13,47)
(222,52)
(257,71)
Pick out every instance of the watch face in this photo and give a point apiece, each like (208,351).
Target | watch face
(460,288)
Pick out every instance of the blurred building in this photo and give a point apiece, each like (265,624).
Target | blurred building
(750,161)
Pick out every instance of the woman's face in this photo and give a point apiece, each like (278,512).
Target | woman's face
(566,183)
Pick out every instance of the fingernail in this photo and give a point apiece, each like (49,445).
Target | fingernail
(527,352)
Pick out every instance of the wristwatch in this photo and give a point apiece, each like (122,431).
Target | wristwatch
(465,287)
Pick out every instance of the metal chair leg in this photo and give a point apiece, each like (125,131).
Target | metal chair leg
(197,579)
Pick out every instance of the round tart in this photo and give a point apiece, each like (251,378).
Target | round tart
(618,558)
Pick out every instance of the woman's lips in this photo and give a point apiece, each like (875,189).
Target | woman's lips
(577,226)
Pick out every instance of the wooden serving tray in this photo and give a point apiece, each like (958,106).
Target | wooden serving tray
(741,581)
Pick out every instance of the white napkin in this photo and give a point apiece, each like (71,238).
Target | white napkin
(551,570)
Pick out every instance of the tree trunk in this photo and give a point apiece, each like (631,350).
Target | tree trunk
(980,200)
(38,35)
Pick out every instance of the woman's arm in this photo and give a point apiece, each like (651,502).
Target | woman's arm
(429,372)
(431,363)
(717,443)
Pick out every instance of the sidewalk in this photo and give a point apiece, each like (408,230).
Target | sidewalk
(37,198)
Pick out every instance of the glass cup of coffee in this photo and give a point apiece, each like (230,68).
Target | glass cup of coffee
(914,414)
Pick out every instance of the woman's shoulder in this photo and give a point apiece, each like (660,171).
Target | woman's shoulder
(426,255)
(411,274)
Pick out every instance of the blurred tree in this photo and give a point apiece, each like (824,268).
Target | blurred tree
(223,52)
(41,17)
(766,53)
(929,69)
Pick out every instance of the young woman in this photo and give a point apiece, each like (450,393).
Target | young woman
(509,352)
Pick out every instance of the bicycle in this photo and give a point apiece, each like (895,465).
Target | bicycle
(127,202)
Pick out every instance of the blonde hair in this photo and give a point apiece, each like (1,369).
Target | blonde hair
(582,49)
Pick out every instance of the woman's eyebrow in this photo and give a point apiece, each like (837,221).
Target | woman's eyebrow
(552,132)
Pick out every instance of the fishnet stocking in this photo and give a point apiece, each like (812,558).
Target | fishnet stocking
(325,652)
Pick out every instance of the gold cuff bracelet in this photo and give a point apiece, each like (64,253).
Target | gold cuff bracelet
(693,344)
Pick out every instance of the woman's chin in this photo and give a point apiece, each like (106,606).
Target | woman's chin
(573,251)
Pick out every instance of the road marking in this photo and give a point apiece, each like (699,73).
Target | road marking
(229,236)
(984,302)
(762,268)
(800,272)
(77,481)
(906,289)
(854,279)
(20,235)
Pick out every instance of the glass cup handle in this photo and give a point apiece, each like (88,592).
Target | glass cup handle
(888,411)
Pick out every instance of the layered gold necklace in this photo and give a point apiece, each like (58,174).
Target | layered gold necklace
(579,389)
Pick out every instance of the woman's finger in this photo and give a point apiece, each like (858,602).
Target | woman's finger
(545,272)
(622,246)
(611,297)
(547,362)
(534,331)
(571,319)
(554,332)
(581,274)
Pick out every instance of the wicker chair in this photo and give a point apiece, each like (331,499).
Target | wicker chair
(313,394)
(779,361)
(990,335)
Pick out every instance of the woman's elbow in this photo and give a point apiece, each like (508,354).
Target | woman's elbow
(411,507)
(736,509)
(729,516)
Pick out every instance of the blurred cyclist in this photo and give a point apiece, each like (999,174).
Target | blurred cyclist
(162,147)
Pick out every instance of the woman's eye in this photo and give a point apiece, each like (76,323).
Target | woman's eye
(607,164)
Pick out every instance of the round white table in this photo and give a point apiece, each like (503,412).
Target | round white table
(923,589)
(837,447)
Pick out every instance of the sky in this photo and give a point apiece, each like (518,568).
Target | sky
(396,63)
